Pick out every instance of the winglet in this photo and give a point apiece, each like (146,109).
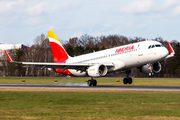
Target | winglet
(171,51)
(9,58)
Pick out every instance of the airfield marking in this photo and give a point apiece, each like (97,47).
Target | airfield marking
(98,87)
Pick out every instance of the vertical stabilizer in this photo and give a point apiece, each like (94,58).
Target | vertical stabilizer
(59,53)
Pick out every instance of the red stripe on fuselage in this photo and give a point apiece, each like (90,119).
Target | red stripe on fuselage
(59,54)
(65,72)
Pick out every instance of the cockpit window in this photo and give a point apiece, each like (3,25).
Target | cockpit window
(158,45)
(149,47)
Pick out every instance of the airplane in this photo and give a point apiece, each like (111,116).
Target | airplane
(145,55)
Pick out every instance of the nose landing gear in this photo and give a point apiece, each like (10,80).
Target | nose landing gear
(151,74)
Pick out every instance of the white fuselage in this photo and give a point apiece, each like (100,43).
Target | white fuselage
(123,57)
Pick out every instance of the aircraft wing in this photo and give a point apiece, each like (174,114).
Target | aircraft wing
(56,65)
(61,65)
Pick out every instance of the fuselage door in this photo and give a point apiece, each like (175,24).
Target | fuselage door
(140,49)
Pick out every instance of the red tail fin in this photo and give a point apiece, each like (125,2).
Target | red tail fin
(58,51)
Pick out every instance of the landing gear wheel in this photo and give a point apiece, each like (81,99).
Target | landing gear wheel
(89,82)
(125,80)
(130,80)
(92,82)
(151,74)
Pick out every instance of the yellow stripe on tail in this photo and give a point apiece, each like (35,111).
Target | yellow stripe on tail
(51,34)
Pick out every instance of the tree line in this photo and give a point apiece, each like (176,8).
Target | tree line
(40,51)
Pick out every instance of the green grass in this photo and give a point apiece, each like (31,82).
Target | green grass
(88,104)
(101,81)
(52,105)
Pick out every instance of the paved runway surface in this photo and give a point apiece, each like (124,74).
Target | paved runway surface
(98,87)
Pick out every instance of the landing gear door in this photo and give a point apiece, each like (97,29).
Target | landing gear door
(140,49)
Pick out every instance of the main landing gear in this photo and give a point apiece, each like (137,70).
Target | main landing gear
(127,79)
(92,82)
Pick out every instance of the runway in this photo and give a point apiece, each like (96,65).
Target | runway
(98,87)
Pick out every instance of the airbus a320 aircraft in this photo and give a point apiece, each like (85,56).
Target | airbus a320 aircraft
(146,56)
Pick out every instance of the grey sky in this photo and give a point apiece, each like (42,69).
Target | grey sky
(22,20)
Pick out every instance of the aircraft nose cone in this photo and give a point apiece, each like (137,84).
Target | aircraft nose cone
(163,53)
(166,52)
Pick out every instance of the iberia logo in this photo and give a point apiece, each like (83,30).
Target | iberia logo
(124,49)
(92,69)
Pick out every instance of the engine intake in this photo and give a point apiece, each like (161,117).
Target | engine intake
(156,67)
(151,69)
(98,70)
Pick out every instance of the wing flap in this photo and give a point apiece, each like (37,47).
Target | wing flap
(62,65)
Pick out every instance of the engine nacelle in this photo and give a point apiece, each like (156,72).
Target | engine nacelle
(98,70)
(156,67)
(151,69)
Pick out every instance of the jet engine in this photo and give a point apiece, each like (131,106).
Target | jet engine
(98,70)
(151,68)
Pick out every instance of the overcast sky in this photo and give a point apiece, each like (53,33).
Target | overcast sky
(21,21)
